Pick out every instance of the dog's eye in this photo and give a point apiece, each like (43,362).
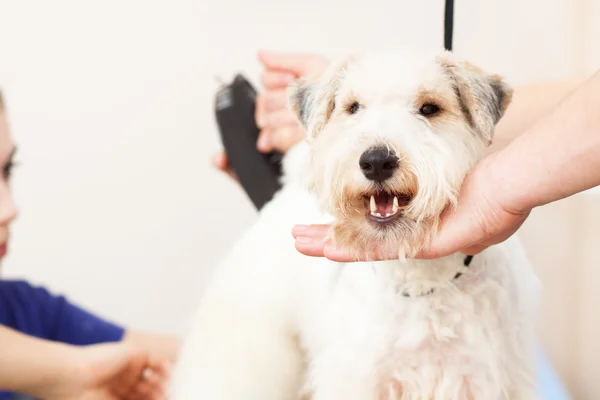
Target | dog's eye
(429,109)
(353,108)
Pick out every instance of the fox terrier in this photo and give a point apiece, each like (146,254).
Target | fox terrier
(390,138)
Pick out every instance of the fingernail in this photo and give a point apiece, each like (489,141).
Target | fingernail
(304,239)
(299,230)
(147,374)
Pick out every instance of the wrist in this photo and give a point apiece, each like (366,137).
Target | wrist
(504,185)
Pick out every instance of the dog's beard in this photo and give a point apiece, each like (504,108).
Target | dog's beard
(381,218)
(402,238)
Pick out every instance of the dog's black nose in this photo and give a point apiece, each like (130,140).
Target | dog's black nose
(378,163)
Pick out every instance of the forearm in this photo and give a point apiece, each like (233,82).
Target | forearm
(28,364)
(557,157)
(529,103)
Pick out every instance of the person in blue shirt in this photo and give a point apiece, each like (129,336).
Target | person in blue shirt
(53,349)
(280,131)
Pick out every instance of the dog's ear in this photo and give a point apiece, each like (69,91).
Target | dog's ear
(312,99)
(483,97)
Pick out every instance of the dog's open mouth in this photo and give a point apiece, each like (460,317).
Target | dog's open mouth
(385,206)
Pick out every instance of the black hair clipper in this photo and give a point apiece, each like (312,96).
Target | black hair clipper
(258,173)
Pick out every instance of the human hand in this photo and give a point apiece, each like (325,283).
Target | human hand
(279,129)
(481,218)
(219,161)
(114,371)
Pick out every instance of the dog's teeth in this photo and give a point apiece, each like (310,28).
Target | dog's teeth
(373,205)
(395,205)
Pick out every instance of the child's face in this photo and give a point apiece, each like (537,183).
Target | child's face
(8,210)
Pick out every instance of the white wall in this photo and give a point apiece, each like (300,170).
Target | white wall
(111,105)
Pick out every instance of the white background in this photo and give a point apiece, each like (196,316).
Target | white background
(110,103)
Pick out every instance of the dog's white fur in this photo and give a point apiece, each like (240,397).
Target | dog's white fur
(277,325)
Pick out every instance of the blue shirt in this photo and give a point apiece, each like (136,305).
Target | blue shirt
(37,312)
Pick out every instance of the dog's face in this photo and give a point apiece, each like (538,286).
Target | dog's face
(392,136)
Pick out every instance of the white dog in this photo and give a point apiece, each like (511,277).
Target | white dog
(390,137)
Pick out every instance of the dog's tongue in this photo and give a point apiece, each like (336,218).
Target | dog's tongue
(383,205)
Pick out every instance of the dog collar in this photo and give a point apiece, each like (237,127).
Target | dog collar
(466,263)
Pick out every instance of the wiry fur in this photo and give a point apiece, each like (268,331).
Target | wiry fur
(276,325)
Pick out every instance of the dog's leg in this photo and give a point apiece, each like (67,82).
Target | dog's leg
(242,346)
(243,359)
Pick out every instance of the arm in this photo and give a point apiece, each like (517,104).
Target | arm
(529,103)
(30,365)
(557,157)
(56,371)
(36,311)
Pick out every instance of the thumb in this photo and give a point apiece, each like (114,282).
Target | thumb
(457,231)
(297,64)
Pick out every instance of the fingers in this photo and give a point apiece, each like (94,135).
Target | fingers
(269,101)
(312,241)
(276,119)
(220,162)
(129,375)
(297,64)
(264,138)
(279,127)
(273,80)
(318,246)
(316,230)
(151,387)
(272,100)
(153,382)
(286,137)
(281,139)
